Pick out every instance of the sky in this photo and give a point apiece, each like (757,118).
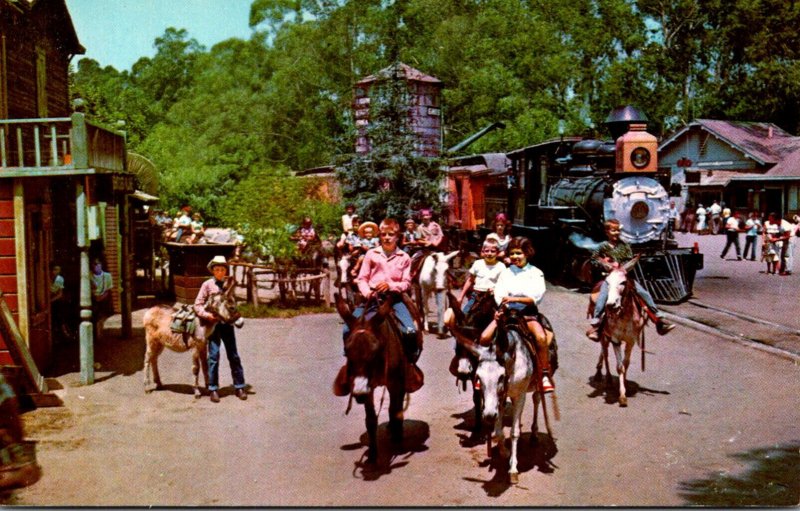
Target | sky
(119,32)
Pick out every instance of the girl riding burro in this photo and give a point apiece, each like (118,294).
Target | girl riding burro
(385,275)
(616,252)
(521,287)
(482,278)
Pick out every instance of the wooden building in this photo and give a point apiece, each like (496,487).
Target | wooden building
(424,107)
(468,180)
(63,182)
(750,166)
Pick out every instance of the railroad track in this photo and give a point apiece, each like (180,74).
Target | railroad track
(776,338)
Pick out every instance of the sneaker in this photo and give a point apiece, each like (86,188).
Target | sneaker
(663,327)
(547,385)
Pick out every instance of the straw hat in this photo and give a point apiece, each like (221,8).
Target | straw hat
(366,225)
(217,261)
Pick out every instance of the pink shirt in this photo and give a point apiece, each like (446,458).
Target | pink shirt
(208,288)
(395,269)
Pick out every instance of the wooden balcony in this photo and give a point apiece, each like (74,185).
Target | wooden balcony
(59,146)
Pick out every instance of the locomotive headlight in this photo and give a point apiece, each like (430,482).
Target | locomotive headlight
(640,210)
(640,157)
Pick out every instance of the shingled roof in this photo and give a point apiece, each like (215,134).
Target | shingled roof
(403,71)
(767,144)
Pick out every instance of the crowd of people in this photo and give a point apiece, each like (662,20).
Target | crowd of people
(775,233)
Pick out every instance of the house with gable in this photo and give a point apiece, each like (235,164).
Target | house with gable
(750,166)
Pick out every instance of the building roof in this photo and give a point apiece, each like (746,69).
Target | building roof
(764,142)
(62,24)
(403,71)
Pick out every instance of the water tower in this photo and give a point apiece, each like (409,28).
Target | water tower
(425,113)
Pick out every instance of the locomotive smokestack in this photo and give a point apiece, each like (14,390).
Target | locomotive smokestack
(619,120)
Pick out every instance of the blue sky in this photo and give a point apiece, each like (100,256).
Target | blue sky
(119,32)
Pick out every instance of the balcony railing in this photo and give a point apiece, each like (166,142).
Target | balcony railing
(63,145)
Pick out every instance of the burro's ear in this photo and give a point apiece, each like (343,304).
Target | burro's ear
(462,339)
(343,310)
(606,266)
(630,264)
(451,255)
(228,286)
(456,306)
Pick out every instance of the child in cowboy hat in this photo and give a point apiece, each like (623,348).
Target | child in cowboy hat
(368,240)
(223,333)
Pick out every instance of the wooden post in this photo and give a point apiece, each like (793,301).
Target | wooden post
(85,331)
(127,289)
(252,285)
(80,142)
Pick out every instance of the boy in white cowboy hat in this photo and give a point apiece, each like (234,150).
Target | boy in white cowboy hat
(223,333)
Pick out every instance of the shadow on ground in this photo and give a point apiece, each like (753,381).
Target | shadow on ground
(390,456)
(113,353)
(772,479)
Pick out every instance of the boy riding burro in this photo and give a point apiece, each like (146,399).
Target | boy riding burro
(616,252)
(386,274)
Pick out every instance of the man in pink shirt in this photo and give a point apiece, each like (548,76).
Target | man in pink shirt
(387,269)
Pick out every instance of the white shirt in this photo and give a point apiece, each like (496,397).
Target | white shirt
(347,222)
(715,209)
(732,223)
(485,276)
(516,281)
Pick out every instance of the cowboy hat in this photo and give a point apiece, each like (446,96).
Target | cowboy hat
(367,225)
(217,261)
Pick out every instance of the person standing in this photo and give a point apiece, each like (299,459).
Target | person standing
(752,230)
(714,211)
(773,232)
(732,231)
(790,229)
(58,304)
(701,219)
(223,333)
(102,306)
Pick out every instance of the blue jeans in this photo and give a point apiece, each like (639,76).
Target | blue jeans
(643,293)
(750,246)
(224,334)
(404,319)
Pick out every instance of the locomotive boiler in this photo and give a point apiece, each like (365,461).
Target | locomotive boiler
(563,190)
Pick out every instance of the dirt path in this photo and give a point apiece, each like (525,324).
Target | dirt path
(706,422)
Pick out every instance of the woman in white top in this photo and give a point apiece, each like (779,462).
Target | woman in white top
(500,233)
(772,242)
(701,219)
(521,286)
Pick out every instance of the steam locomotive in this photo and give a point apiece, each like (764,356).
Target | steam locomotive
(560,192)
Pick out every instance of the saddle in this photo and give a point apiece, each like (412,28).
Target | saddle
(183,319)
(516,320)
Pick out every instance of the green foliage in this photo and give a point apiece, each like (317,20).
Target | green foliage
(217,122)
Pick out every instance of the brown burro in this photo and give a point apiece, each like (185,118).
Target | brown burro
(159,335)
(375,358)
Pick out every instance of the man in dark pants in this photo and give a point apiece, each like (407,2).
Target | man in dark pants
(223,333)
(732,232)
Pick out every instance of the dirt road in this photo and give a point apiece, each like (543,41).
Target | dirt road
(710,422)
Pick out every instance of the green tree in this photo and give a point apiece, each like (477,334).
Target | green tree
(392,179)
